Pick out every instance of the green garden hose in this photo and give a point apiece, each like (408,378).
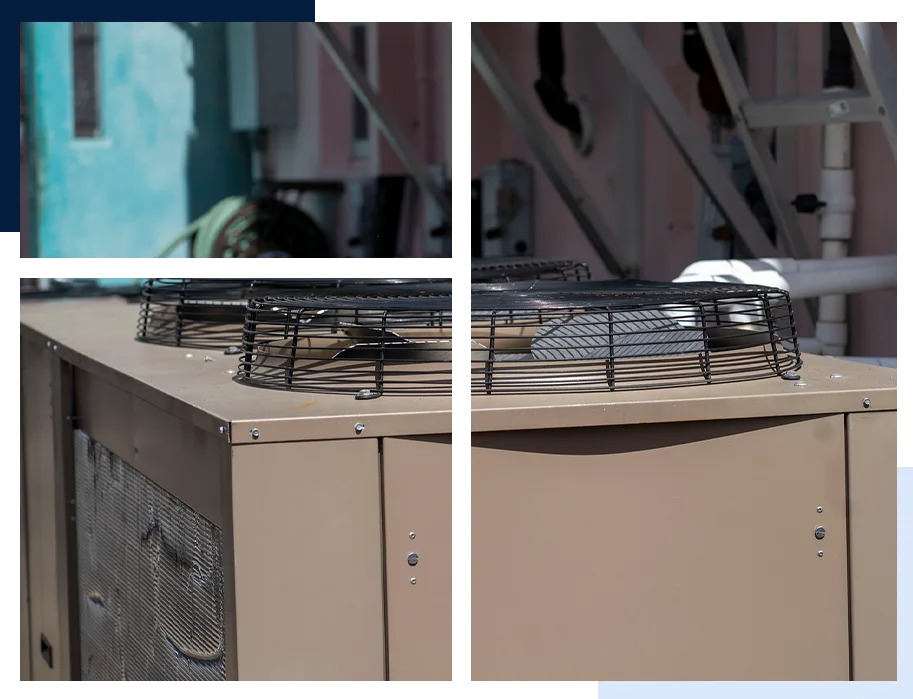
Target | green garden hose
(252,227)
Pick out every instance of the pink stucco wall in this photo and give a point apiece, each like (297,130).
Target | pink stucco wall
(671,193)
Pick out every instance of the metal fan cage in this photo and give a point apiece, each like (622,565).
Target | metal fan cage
(556,337)
(210,313)
(203,313)
(518,270)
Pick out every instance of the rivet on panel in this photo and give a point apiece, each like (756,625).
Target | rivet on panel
(820,554)
(359,428)
(411,535)
(255,433)
(412,580)
(866,402)
(820,509)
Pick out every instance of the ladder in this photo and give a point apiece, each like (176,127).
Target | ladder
(878,103)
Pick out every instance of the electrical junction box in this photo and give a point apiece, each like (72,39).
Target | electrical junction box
(506,203)
(263,75)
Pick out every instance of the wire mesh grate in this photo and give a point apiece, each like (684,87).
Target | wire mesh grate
(543,336)
(151,595)
(528,269)
(210,313)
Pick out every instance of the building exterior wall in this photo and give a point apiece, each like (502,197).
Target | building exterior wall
(165,153)
(671,193)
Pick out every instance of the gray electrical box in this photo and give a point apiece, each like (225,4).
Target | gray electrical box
(355,204)
(263,75)
(437,232)
(507,224)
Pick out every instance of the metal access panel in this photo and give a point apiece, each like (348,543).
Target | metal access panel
(507,210)
(679,551)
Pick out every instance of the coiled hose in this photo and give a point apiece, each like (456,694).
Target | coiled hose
(253,227)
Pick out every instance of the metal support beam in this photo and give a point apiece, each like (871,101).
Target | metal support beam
(635,58)
(786,69)
(630,181)
(582,207)
(878,67)
(363,89)
(765,168)
(849,106)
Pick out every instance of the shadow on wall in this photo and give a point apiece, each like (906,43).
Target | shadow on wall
(218,160)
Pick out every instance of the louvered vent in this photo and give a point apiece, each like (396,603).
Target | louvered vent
(151,604)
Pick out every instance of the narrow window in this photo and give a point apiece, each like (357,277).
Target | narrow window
(86,109)
(359,43)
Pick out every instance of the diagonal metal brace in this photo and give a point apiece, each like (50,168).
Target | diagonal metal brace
(762,161)
(635,58)
(878,68)
(368,96)
(584,210)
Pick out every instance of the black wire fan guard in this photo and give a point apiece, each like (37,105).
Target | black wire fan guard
(210,313)
(539,337)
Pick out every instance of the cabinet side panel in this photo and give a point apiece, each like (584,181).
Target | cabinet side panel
(872,510)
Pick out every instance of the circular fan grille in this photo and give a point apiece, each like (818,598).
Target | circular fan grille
(203,313)
(210,313)
(593,336)
(516,270)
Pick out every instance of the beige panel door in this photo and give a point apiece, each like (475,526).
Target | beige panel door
(25,650)
(661,552)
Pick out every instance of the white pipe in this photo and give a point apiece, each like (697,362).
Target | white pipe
(785,265)
(838,277)
(836,228)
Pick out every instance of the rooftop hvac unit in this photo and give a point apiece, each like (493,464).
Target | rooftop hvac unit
(627,481)
(527,269)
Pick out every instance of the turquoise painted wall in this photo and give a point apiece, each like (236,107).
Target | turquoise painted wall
(165,155)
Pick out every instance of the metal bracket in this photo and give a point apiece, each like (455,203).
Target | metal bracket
(583,208)
(368,96)
(877,65)
(765,168)
(847,106)
(634,57)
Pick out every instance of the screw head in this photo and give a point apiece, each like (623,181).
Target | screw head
(836,376)
(820,554)
(411,535)
(233,350)
(255,433)
(820,532)
(412,559)
(800,384)
(359,428)
(412,580)
(223,429)
(367,394)
(820,509)
(188,356)
(49,344)
(207,358)
(791,375)
(866,402)
(55,348)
